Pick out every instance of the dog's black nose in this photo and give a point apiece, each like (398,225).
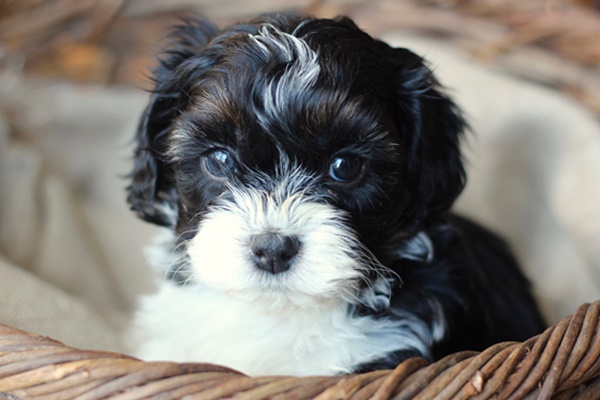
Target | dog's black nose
(273,252)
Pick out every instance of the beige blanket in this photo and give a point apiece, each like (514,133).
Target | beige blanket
(71,254)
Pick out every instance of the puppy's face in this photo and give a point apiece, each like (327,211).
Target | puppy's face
(289,154)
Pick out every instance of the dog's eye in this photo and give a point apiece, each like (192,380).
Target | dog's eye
(346,168)
(220,163)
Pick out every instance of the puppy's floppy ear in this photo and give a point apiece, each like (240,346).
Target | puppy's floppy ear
(433,126)
(152,194)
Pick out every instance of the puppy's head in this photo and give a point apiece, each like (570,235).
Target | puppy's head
(286,152)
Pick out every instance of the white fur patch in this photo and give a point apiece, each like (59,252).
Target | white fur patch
(418,248)
(326,269)
(196,323)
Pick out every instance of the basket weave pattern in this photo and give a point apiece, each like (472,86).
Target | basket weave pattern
(561,363)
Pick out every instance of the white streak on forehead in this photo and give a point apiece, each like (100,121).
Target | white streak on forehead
(289,45)
(301,72)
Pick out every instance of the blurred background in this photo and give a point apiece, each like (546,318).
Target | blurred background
(555,42)
(74,76)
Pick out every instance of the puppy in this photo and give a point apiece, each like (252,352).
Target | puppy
(304,171)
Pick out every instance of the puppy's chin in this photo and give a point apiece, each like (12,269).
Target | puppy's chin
(325,271)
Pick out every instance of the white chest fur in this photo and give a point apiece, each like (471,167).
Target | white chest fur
(198,324)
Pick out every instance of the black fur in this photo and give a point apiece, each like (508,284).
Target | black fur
(380,102)
(399,92)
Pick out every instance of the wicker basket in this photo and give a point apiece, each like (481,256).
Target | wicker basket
(561,363)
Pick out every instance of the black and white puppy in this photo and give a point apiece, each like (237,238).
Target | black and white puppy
(305,170)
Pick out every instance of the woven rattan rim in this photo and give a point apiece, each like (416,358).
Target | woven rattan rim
(561,363)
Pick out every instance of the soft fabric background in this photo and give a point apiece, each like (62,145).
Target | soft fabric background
(71,254)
